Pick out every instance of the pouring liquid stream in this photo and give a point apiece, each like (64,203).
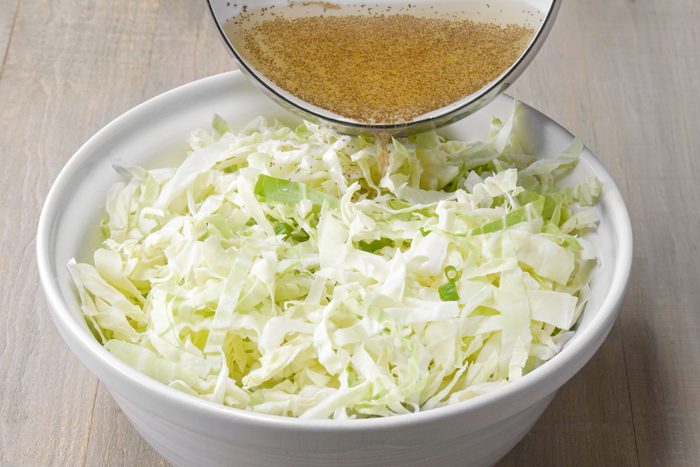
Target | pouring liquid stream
(382,65)
(383,151)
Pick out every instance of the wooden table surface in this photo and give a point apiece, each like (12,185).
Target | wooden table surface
(622,74)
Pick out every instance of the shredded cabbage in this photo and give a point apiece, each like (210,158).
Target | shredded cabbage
(277,271)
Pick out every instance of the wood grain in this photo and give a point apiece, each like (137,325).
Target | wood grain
(8,14)
(621,74)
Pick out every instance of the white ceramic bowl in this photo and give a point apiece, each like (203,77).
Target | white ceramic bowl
(190,431)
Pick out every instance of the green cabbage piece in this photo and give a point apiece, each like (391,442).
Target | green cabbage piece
(275,270)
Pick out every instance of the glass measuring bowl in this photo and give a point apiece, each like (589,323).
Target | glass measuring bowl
(537,14)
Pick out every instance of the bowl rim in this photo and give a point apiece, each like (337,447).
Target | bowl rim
(541,379)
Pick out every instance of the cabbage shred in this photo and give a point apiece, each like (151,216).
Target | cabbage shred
(276,271)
